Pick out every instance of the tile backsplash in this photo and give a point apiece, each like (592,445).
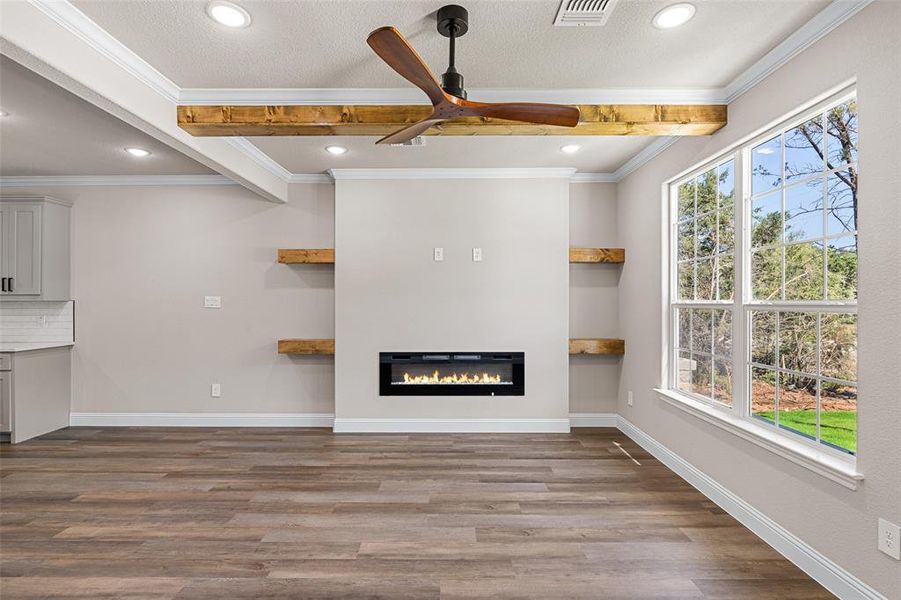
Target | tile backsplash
(37,321)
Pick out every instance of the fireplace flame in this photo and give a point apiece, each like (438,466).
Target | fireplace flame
(438,379)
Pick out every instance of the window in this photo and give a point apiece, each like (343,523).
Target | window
(763,293)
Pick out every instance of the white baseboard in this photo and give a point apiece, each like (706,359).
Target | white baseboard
(592,419)
(451,425)
(92,419)
(828,574)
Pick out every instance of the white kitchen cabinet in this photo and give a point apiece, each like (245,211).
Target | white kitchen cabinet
(34,248)
(35,390)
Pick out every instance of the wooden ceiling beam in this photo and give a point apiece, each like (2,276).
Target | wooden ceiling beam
(380,120)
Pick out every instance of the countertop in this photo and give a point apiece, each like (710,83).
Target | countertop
(26,346)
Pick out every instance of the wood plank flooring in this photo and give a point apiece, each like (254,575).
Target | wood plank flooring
(289,513)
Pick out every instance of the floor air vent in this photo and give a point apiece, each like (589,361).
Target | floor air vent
(584,12)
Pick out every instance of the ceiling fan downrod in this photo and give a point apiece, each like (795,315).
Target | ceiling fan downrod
(453,22)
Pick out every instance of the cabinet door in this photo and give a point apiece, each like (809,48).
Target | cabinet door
(24,258)
(5,401)
(4,242)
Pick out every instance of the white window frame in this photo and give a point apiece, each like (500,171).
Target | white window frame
(819,457)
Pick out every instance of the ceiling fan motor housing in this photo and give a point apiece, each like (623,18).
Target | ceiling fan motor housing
(453,22)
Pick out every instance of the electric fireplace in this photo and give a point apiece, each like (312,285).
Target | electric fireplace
(452,374)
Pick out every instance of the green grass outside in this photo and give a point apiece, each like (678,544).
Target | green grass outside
(837,427)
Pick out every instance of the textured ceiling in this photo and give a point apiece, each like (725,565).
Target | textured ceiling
(598,154)
(50,131)
(510,44)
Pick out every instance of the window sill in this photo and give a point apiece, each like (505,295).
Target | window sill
(822,463)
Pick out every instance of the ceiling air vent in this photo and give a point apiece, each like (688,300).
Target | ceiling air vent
(584,12)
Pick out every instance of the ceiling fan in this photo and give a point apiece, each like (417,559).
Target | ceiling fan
(449,98)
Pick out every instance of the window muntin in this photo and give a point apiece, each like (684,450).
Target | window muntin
(794,301)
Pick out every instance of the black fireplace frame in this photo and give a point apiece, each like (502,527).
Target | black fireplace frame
(516,359)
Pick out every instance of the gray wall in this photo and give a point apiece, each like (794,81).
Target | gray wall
(593,298)
(836,521)
(391,296)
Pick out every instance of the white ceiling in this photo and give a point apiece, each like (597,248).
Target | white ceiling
(510,44)
(598,154)
(50,132)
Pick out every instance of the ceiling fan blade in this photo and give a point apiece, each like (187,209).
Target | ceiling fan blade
(410,132)
(391,46)
(529,112)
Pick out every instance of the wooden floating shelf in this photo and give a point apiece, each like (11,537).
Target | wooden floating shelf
(597,346)
(326,256)
(576,346)
(597,255)
(322,346)
(309,256)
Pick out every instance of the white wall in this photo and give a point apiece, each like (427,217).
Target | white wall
(837,522)
(593,298)
(142,260)
(391,296)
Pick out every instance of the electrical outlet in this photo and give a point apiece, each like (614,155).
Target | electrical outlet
(629,398)
(212,301)
(439,254)
(890,539)
(216,390)
(476,255)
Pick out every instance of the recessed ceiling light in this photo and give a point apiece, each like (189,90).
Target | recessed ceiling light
(139,152)
(570,148)
(228,14)
(673,16)
(765,151)
(3,113)
(336,150)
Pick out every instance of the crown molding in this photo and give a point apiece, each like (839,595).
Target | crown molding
(259,157)
(80,25)
(835,13)
(364,96)
(593,178)
(487,173)
(644,156)
(105,180)
(310,178)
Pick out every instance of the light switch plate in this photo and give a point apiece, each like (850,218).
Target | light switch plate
(889,541)
(439,254)
(212,301)
(216,390)
(476,255)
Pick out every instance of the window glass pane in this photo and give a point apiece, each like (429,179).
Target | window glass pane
(766,166)
(763,394)
(766,274)
(726,231)
(684,323)
(838,346)
(705,284)
(804,271)
(701,380)
(725,274)
(841,209)
(763,337)
(804,210)
(722,381)
(798,404)
(804,149)
(841,127)
(701,330)
(706,231)
(798,341)
(686,239)
(686,280)
(766,220)
(686,200)
(727,185)
(722,333)
(683,380)
(842,276)
(838,416)
(707,191)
